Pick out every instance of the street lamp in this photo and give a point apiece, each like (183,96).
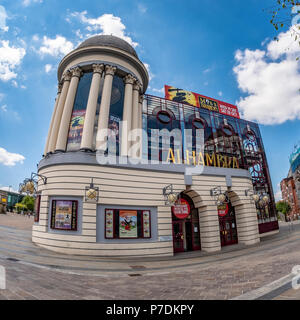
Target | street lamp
(91,192)
(170,196)
(219,196)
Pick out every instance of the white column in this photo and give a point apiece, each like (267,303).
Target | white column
(90,114)
(140,122)
(59,111)
(68,108)
(135,106)
(127,114)
(105,106)
(135,116)
(52,118)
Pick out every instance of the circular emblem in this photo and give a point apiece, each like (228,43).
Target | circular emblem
(223,209)
(182,210)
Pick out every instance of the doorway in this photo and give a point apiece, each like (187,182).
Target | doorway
(186,233)
(227,222)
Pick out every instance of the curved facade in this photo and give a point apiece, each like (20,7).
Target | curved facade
(101,106)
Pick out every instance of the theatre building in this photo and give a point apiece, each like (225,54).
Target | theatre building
(129,174)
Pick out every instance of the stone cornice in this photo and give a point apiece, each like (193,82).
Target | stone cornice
(135,62)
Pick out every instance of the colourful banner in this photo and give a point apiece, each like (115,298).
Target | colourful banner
(75,131)
(200,101)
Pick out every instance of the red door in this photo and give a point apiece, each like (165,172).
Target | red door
(228,230)
(178,236)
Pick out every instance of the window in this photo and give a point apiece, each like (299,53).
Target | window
(164,116)
(127,224)
(64,214)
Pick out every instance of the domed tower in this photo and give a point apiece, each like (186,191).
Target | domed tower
(101,81)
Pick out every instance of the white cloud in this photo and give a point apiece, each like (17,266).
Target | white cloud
(220,93)
(151,75)
(4,108)
(56,47)
(162,90)
(48,68)
(107,24)
(27,3)
(14,83)
(3,17)
(278,195)
(10,159)
(35,37)
(10,58)
(207,70)
(272,85)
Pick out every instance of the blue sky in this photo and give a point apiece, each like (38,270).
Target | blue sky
(222,49)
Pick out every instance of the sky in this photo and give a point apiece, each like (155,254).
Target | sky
(223,49)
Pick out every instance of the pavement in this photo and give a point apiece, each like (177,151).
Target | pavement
(261,271)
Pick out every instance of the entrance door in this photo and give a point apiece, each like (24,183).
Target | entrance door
(178,236)
(228,231)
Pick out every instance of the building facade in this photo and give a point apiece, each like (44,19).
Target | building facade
(3,201)
(115,158)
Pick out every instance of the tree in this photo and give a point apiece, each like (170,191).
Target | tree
(283,207)
(286,12)
(28,201)
(20,207)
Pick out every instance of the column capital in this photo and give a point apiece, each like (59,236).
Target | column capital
(67,76)
(59,87)
(137,86)
(110,70)
(129,79)
(98,68)
(76,72)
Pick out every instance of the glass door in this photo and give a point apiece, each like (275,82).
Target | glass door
(228,230)
(178,236)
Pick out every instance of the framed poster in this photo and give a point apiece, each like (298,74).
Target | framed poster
(109,223)
(146,224)
(128,224)
(64,214)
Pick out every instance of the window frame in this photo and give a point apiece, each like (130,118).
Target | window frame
(76,218)
(116,214)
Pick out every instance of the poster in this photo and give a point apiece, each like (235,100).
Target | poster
(200,101)
(109,224)
(146,224)
(113,135)
(128,224)
(75,130)
(64,215)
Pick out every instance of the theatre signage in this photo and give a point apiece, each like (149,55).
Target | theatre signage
(200,101)
(181,210)
(200,159)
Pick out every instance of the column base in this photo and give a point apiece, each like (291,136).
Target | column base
(86,150)
(59,151)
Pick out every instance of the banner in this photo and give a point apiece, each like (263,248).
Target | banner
(75,131)
(200,101)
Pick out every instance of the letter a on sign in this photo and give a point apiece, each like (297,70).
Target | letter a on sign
(2,278)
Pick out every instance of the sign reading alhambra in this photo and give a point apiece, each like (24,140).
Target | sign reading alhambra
(200,159)
(200,101)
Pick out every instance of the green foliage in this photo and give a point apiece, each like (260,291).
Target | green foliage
(283,207)
(20,207)
(28,201)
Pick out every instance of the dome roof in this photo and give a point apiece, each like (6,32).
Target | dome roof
(108,41)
